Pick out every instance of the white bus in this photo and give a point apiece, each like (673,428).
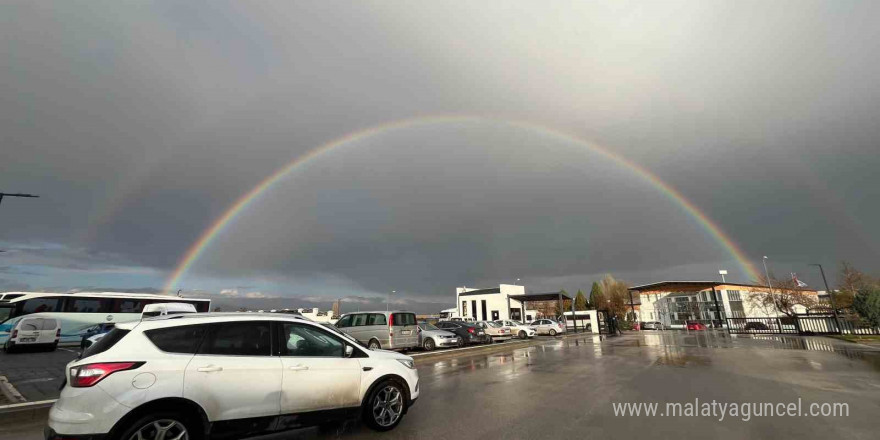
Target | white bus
(79,311)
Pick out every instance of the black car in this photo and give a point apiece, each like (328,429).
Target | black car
(95,330)
(752,326)
(467,331)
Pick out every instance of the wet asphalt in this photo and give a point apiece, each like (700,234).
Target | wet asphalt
(564,388)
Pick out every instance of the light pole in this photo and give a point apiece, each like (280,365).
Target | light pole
(770,285)
(722,272)
(517,282)
(830,293)
(388,299)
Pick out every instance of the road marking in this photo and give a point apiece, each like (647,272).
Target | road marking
(69,351)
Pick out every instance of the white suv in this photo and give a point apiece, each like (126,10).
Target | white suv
(227,375)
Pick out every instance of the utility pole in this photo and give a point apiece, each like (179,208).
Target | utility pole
(2,194)
(830,295)
(722,272)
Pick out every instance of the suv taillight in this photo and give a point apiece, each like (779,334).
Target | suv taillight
(14,334)
(88,375)
(470,329)
(58,333)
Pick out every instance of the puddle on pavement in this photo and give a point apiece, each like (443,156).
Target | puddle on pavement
(682,360)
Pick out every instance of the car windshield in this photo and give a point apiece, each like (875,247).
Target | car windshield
(493,324)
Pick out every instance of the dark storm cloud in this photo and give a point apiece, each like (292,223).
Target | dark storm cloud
(139,124)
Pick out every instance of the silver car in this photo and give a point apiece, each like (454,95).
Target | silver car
(652,325)
(394,330)
(547,327)
(431,337)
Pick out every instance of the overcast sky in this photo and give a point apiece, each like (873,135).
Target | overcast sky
(139,123)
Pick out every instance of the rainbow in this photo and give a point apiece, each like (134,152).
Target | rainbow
(207,236)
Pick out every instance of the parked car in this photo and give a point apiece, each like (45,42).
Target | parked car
(162,309)
(518,329)
(547,327)
(495,331)
(396,330)
(211,373)
(467,331)
(95,330)
(753,326)
(694,325)
(33,331)
(431,337)
(653,325)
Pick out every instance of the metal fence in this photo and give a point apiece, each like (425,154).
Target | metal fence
(800,325)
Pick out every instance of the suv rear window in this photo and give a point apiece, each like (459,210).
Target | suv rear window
(184,339)
(105,343)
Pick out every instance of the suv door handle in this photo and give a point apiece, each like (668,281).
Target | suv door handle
(209,369)
(298,368)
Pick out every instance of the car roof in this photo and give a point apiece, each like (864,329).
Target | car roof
(205,318)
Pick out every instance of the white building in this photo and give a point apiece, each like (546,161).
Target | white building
(506,301)
(673,303)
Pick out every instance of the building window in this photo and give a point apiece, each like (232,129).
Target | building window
(464,308)
(733,295)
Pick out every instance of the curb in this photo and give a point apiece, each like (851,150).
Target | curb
(20,413)
(483,349)
(9,391)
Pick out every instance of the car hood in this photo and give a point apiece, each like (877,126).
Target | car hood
(388,354)
(437,333)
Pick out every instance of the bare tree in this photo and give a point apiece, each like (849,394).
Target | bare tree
(850,280)
(784,297)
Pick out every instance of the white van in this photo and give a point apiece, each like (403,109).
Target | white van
(33,331)
(162,309)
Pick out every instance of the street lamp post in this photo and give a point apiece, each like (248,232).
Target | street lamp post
(770,285)
(830,295)
(16,195)
(722,272)
(388,300)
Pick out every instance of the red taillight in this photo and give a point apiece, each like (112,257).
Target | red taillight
(58,333)
(391,320)
(470,329)
(87,375)
(14,334)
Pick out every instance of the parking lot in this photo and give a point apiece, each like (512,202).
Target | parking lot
(565,387)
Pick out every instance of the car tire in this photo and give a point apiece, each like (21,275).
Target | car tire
(429,345)
(174,423)
(54,346)
(522,334)
(552,332)
(374,345)
(9,347)
(461,343)
(390,397)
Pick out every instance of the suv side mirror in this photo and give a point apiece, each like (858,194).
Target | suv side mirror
(349,350)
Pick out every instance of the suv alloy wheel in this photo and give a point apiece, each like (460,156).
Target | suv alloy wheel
(384,409)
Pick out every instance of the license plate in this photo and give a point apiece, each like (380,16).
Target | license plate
(406,332)
(27,339)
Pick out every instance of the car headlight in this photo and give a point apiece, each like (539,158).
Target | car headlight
(408,363)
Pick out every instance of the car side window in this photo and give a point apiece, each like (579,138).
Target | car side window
(307,341)
(49,324)
(377,319)
(345,321)
(183,339)
(239,339)
(359,320)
